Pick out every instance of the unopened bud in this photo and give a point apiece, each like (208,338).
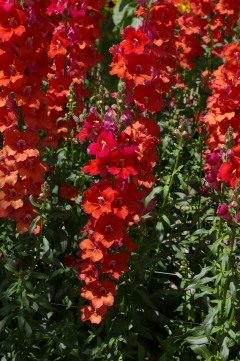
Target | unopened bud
(233,204)
(45,188)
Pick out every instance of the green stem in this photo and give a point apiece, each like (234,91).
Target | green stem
(219,234)
(40,237)
(185,301)
(147,16)
(173,173)
(221,320)
(200,177)
(229,273)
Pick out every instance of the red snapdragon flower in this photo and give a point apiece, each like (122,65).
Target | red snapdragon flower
(98,199)
(122,164)
(32,165)
(109,228)
(105,143)
(99,293)
(134,41)
(230,171)
(115,264)
(24,217)
(90,271)
(94,315)
(28,91)
(8,172)
(68,192)
(20,145)
(12,20)
(8,118)
(59,44)
(148,97)
(12,195)
(92,249)
(139,68)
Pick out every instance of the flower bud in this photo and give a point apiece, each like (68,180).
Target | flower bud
(233,204)
(212,159)
(238,217)
(210,177)
(223,212)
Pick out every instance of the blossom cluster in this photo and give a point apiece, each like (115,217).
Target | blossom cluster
(125,153)
(23,66)
(204,23)
(146,58)
(47,48)
(223,123)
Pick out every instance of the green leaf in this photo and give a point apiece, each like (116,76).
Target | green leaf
(141,352)
(136,22)
(160,230)
(39,275)
(64,244)
(151,195)
(47,305)
(10,266)
(11,289)
(4,321)
(6,309)
(232,334)
(208,322)
(166,219)
(146,299)
(224,351)
(201,350)
(199,340)
(33,202)
(225,260)
(165,191)
(25,301)
(45,245)
(56,273)
(228,306)
(21,322)
(200,231)
(232,288)
(34,224)
(123,10)
(202,273)
(27,329)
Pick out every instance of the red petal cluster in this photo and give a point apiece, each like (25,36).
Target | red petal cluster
(124,157)
(223,124)
(146,58)
(207,23)
(23,67)
(46,49)
(223,104)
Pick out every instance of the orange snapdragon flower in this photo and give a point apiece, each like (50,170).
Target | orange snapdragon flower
(20,145)
(12,195)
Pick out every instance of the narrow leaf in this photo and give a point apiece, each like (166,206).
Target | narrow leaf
(224,352)
(34,224)
(201,350)
(197,340)
(33,202)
